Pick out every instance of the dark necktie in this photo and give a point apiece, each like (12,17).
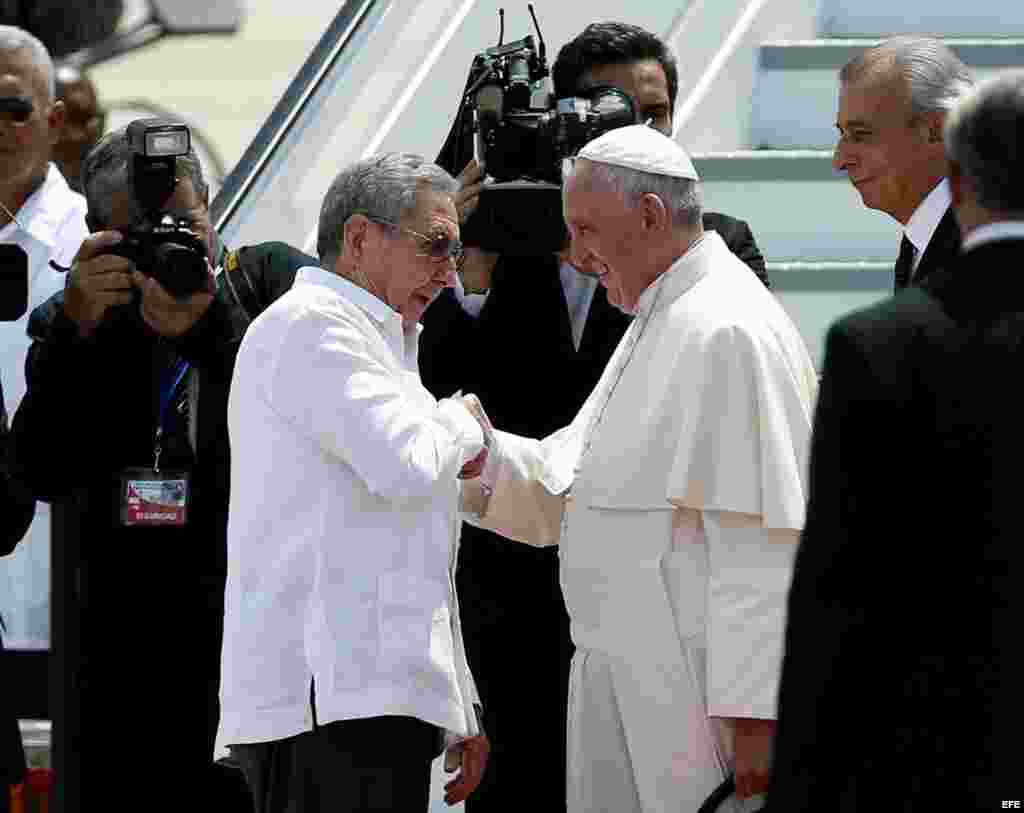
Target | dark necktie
(904,263)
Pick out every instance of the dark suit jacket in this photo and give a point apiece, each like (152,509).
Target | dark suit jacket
(941,251)
(903,668)
(518,356)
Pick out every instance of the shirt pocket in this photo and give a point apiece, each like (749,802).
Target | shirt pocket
(415,627)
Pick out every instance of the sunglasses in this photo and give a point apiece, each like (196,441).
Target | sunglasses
(439,248)
(16,110)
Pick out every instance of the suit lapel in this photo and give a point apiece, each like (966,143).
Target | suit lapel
(942,248)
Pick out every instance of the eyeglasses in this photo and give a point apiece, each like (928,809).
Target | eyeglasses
(15,110)
(440,248)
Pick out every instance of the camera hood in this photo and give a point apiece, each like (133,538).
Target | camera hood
(517,214)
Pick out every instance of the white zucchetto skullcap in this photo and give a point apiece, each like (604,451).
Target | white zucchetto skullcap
(641,148)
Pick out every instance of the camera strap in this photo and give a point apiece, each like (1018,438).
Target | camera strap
(172,379)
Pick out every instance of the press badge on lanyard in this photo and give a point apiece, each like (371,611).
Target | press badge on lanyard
(157,497)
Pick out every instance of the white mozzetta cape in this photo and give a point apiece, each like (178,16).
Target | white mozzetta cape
(706,404)
(677,495)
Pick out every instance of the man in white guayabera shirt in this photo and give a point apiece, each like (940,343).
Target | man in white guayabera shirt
(676,494)
(343,661)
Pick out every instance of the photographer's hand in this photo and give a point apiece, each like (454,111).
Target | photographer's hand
(470,184)
(167,315)
(97,281)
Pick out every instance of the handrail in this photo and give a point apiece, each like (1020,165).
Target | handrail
(729,45)
(289,109)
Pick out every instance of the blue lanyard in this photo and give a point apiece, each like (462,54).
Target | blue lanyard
(167,389)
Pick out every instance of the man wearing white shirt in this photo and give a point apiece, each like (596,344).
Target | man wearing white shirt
(343,658)
(893,101)
(40,214)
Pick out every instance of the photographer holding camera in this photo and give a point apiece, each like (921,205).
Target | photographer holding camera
(125,419)
(522,313)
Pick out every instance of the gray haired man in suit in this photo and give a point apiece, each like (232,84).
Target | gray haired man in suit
(893,100)
(901,679)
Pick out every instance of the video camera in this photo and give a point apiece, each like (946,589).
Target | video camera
(161,246)
(521,135)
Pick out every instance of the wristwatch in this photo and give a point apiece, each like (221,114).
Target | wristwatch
(470,291)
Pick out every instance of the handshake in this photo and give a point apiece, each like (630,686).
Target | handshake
(472,404)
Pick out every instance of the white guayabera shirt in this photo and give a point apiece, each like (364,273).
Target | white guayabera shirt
(343,528)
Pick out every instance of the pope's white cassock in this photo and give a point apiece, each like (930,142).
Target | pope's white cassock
(676,497)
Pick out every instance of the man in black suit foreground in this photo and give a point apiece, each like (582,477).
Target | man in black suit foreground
(893,100)
(533,353)
(901,680)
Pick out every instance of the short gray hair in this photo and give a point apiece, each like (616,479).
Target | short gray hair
(935,76)
(984,134)
(14,39)
(382,187)
(105,172)
(681,196)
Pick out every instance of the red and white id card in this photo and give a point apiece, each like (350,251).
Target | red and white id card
(154,498)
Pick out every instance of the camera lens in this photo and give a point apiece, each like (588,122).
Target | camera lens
(180,270)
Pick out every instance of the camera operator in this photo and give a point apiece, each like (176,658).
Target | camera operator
(519,317)
(125,416)
(16,512)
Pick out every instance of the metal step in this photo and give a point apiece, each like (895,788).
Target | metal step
(798,208)
(979,18)
(796,90)
(816,294)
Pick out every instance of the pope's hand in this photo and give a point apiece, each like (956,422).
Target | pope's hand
(753,744)
(471,754)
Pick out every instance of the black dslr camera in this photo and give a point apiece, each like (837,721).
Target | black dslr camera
(161,246)
(511,123)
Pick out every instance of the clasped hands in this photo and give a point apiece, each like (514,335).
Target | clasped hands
(99,281)
(475,467)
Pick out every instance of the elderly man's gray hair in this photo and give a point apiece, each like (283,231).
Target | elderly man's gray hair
(934,74)
(985,136)
(14,39)
(105,172)
(680,196)
(382,187)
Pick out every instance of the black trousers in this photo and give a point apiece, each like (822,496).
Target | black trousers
(373,764)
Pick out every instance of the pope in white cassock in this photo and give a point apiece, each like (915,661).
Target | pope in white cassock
(676,496)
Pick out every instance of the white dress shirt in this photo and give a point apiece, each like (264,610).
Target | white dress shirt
(343,529)
(925,220)
(50,226)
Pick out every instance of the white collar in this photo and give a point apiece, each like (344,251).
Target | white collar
(992,232)
(926,217)
(379,311)
(46,209)
(681,275)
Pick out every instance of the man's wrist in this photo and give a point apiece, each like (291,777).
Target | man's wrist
(473,285)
